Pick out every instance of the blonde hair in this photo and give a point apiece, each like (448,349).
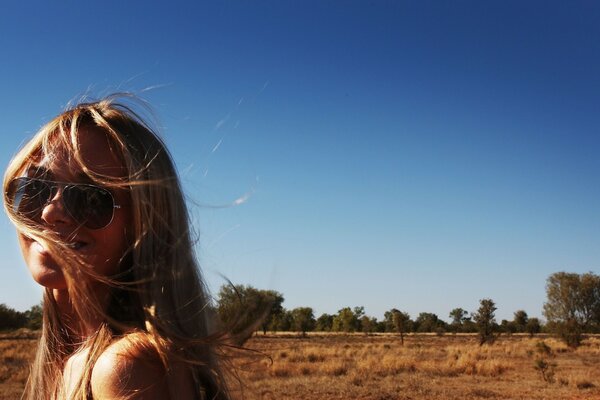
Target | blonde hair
(158,292)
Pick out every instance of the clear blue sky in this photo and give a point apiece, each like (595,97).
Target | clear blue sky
(418,155)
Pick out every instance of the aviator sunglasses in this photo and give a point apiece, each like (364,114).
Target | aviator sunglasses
(89,205)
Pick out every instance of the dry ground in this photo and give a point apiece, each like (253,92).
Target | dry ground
(426,367)
(16,352)
(379,368)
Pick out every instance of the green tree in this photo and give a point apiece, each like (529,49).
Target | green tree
(34,317)
(243,309)
(346,320)
(303,319)
(359,313)
(520,320)
(469,325)
(573,304)
(388,320)
(324,322)
(274,304)
(401,323)
(486,321)
(380,326)
(282,321)
(368,324)
(458,316)
(10,318)
(508,327)
(533,326)
(428,322)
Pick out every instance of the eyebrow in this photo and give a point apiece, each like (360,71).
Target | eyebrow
(83,178)
(41,172)
(38,171)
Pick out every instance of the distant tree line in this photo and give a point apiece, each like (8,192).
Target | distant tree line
(11,319)
(572,309)
(240,305)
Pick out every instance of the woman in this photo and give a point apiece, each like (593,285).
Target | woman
(103,226)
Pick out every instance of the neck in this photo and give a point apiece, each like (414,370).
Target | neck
(81,325)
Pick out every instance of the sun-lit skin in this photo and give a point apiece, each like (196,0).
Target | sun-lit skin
(101,248)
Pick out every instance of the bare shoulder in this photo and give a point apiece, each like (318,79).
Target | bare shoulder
(128,370)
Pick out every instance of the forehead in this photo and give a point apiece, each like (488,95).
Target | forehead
(96,151)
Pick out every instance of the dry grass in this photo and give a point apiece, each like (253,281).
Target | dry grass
(379,368)
(426,367)
(16,353)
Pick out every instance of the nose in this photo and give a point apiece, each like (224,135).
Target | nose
(54,212)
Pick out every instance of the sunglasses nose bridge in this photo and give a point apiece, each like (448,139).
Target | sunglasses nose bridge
(54,189)
(56,192)
(54,210)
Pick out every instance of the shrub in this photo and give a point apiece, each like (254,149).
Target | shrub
(546,369)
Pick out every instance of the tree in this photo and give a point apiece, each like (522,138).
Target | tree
(324,322)
(428,322)
(347,320)
(469,325)
(274,303)
(380,326)
(388,321)
(243,309)
(533,326)
(520,320)
(391,322)
(359,313)
(344,321)
(303,319)
(401,321)
(486,321)
(10,318)
(508,327)
(573,304)
(282,321)
(34,318)
(459,316)
(368,324)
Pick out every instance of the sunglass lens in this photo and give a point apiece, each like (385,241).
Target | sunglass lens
(89,205)
(28,196)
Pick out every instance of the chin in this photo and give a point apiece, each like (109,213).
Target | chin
(44,270)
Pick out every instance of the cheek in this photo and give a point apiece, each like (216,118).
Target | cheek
(24,244)
(30,251)
(112,243)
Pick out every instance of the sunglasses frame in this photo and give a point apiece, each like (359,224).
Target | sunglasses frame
(57,185)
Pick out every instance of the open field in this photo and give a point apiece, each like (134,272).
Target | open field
(16,352)
(426,367)
(379,368)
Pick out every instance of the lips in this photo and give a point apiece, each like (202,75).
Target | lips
(77,246)
(74,243)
